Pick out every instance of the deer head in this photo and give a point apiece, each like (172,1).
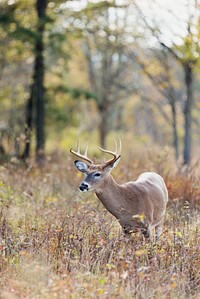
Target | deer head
(96,174)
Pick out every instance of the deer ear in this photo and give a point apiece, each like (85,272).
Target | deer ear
(81,166)
(111,166)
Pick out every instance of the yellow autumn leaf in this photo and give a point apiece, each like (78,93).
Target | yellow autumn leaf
(173,285)
(51,200)
(179,234)
(139,218)
(141,252)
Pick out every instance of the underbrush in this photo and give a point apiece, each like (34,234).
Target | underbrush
(56,243)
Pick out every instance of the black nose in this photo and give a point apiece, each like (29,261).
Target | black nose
(83,187)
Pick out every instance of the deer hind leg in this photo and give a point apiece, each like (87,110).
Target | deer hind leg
(158,229)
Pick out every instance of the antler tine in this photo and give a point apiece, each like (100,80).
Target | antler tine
(79,155)
(116,147)
(118,151)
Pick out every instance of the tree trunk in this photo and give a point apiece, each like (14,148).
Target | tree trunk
(39,81)
(29,123)
(104,125)
(174,128)
(2,150)
(188,114)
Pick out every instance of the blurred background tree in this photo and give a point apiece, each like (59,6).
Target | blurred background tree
(98,69)
(103,38)
(184,49)
(36,98)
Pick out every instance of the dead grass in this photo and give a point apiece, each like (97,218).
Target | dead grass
(56,243)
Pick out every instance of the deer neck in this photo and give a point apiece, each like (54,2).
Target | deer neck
(109,195)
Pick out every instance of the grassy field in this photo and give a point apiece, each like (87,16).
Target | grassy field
(57,243)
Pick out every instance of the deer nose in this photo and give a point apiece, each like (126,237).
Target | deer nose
(84,187)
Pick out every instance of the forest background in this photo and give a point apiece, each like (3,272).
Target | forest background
(97,71)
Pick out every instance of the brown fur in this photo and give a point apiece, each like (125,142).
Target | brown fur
(138,205)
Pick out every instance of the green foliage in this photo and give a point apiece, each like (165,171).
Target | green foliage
(12,26)
(77,93)
(56,114)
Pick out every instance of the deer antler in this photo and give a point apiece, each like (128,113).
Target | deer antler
(79,155)
(115,154)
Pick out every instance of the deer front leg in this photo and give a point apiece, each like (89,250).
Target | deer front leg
(128,230)
(147,233)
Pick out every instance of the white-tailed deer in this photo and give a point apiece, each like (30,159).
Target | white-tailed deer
(138,205)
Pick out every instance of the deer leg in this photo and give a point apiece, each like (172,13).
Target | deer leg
(127,232)
(147,233)
(158,230)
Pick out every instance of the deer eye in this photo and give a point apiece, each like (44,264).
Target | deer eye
(97,174)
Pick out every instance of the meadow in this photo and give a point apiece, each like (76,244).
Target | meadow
(58,243)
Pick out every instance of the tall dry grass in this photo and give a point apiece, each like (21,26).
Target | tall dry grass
(57,243)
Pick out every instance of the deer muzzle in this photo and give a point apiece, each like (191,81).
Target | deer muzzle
(84,187)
